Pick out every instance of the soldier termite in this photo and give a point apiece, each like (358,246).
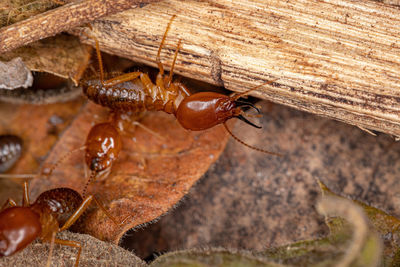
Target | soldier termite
(135,92)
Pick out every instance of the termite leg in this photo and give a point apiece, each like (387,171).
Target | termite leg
(182,88)
(101,206)
(53,238)
(144,78)
(78,212)
(60,160)
(99,59)
(133,75)
(71,243)
(122,78)
(147,129)
(118,119)
(98,53)
(171,72)
(148,84)
(81,209)
(25,199)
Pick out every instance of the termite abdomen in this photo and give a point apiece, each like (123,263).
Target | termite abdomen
(60,202)
(127,96)
(119,97)
(10,151)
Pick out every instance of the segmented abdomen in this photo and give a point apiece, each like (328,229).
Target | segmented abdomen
(10,151)
(60,202)
(128,96)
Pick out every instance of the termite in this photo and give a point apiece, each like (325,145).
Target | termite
(102,147)
(10,151)
(135,92)
(53,211)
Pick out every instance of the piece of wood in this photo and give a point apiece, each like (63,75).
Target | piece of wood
(338,58)
(63,56)
(60,19)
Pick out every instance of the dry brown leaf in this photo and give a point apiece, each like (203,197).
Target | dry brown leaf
(38,126)
(150,176)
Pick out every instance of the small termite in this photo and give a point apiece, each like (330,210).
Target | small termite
(10,151)
(135,92)
(102,147)
(53,211)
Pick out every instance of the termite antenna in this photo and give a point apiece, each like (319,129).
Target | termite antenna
(249,146)
(158,59)
(239,95)
(25,201)
(171,72)
(91,178)
(18,176)
(53,238)
(48,172)
(99,58)
(60,160)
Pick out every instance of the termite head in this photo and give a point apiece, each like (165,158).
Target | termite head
(103,145)
(19,226)
(204,110)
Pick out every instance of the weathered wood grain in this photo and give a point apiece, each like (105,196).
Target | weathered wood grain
(60,19)
(338,58)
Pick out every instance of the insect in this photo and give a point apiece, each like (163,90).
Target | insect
(120,93)
(53,211)
(10,151)
(135,92)
(102,147)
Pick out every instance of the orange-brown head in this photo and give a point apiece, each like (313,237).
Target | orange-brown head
(19,226)
(103,145)
(204,110)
